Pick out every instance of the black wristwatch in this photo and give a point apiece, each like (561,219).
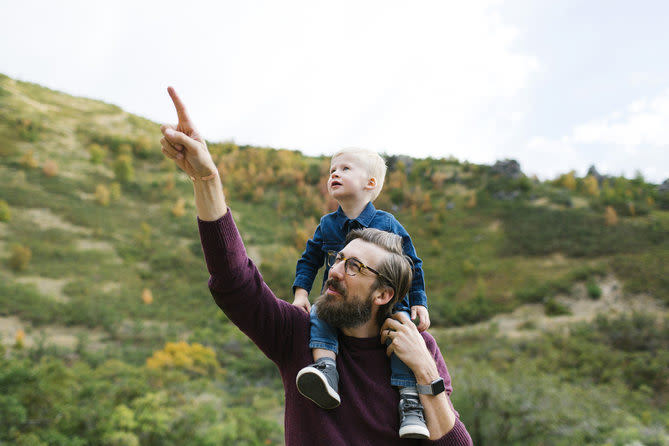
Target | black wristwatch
(434,388)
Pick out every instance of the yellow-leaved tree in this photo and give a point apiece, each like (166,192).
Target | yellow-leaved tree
(193,358)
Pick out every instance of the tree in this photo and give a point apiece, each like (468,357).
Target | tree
(610,216)
(591,186)
(102,195)
(123,168)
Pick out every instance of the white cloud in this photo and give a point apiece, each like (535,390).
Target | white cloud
(642,122)
(621,143)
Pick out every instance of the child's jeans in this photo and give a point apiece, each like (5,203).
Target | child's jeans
(324,336)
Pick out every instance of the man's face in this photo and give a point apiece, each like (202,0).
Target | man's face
(347,301)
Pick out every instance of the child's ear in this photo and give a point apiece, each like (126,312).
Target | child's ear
(371,184)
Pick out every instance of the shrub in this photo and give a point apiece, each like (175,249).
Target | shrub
(144,147)
(50,168)
(102,195)
(115,191)
(147,296)
(179,208)
(594,291)
(20,339)
(97,153)
(123,168)
(5,211)
(194,358)
(28,130)
(555,308)
(20,257)
(28,160)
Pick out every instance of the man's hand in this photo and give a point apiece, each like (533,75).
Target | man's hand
(408,345)
(183,144)
(302,299)
(423,316)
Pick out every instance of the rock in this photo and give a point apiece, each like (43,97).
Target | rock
(664,187)
(507,169)
(592,171)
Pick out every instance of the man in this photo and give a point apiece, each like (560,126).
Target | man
(356,300)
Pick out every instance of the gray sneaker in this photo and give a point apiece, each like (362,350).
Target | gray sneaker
(412,419)
(320,383)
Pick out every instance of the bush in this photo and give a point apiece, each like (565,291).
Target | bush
(5,211)
(594,291)
(20,257)
(102,195)
(50,168)
(123,168)
(555,308)
(28,160)
(97,153)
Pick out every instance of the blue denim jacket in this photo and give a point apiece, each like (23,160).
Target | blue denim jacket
(331,234)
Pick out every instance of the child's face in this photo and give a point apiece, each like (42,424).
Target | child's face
(348,177)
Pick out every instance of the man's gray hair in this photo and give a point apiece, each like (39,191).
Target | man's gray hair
(396,268)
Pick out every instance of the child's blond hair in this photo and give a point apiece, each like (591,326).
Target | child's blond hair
(373,163)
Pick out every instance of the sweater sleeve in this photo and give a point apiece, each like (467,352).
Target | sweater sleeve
(310,262)
(458,436)
(239,290)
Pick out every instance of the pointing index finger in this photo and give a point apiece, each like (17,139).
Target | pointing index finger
(182,114)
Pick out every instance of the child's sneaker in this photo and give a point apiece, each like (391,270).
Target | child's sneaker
(320,383)
(412,420)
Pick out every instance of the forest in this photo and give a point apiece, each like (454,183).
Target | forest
(548,298)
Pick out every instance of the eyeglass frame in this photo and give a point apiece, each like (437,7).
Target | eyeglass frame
(333,258)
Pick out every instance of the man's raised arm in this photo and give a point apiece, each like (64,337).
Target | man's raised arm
(183,144)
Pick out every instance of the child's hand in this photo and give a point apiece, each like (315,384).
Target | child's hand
(302,299)
(421,312)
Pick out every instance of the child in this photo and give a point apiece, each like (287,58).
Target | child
(355,180)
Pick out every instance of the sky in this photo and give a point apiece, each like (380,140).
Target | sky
(556,85)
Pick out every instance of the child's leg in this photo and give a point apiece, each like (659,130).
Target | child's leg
(400,374)
(412,418)
(323,340)
(320,381)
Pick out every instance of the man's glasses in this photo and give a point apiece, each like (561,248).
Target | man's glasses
(352,266)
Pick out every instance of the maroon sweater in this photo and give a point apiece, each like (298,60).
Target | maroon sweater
(368,412)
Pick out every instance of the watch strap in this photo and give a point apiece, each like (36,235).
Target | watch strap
(434,388)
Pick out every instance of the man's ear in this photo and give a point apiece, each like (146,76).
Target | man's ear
(385,295)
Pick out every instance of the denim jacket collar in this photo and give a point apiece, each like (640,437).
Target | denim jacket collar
(364,219)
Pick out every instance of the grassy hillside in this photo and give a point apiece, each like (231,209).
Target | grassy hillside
(103,287)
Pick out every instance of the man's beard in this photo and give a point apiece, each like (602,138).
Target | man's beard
(343,311)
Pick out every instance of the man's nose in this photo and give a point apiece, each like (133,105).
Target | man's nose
(337,271)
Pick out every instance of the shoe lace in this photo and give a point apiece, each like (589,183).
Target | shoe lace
(410,405)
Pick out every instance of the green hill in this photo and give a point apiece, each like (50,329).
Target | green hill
(549,299)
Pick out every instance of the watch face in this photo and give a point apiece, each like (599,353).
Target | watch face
(438,386)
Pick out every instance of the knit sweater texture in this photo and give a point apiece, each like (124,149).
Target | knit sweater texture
(368,414)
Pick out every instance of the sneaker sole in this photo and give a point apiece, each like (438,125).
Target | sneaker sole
(415,432)
(314,385)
